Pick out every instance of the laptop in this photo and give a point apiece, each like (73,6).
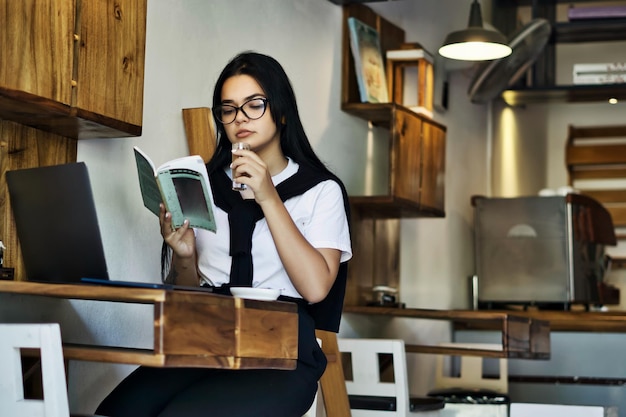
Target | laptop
(57,226)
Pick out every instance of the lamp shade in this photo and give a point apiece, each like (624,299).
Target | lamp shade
(475,43)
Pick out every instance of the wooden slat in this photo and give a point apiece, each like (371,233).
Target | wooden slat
(592,155)
(84,292)
(618,214)
(333,383)
(593,132)
(607,196)
(597,173)
(143,357)
(200,131)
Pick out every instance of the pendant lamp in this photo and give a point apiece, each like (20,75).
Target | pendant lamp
(475,43)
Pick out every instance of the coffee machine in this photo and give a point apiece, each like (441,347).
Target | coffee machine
(545,251)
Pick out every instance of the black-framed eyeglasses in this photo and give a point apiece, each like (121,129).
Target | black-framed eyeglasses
(253,109)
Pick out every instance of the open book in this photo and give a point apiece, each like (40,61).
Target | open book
(182,185)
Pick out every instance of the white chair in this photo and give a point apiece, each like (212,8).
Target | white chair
(46,338)
(488,395)
(388,398)
(471,370)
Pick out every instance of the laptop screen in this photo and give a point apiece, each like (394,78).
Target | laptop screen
(56,222)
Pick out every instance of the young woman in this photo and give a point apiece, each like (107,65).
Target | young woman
(287,230)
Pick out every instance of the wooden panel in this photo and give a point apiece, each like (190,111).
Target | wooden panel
(618,214)
(25,147)
(111,57)
(376,257)
(39,79)
(433,167)
(200,132)
(85,292)
(332,383)
(37,47)
(360,279)
(592,155)
(406,156)
(603,172)
(607,196)
(247,329)
(592,132)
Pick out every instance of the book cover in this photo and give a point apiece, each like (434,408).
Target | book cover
(182,185)
(368,62)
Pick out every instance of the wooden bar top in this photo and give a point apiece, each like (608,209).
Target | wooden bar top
(572,321)
(522,336)
(191,329)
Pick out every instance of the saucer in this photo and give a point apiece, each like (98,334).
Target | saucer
(266,294)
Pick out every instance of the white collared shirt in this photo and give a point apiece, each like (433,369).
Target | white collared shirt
(320,216)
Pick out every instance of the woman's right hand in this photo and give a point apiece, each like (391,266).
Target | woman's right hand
(182,241)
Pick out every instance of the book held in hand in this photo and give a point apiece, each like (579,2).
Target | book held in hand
(368,62)
(182,185)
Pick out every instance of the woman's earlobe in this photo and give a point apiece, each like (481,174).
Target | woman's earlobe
(283,120)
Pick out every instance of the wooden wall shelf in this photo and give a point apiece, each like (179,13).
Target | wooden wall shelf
(543,88)
(590,31)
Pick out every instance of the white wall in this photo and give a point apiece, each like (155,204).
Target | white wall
(188,43)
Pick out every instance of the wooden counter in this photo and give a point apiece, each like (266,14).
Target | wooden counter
(523,336)
(191,328)
(565,321)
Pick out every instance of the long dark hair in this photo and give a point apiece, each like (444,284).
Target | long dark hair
(284,111)
(283,108)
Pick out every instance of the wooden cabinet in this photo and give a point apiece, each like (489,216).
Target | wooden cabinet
(417,165)
(543,87)
(73,68)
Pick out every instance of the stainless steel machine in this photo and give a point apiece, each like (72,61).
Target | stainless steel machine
(546,251)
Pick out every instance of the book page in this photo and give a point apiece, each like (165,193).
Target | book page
(185,188)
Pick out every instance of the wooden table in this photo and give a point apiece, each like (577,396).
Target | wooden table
(191,329)
(523,336)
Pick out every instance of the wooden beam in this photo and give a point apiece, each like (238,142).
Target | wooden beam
(200,132)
